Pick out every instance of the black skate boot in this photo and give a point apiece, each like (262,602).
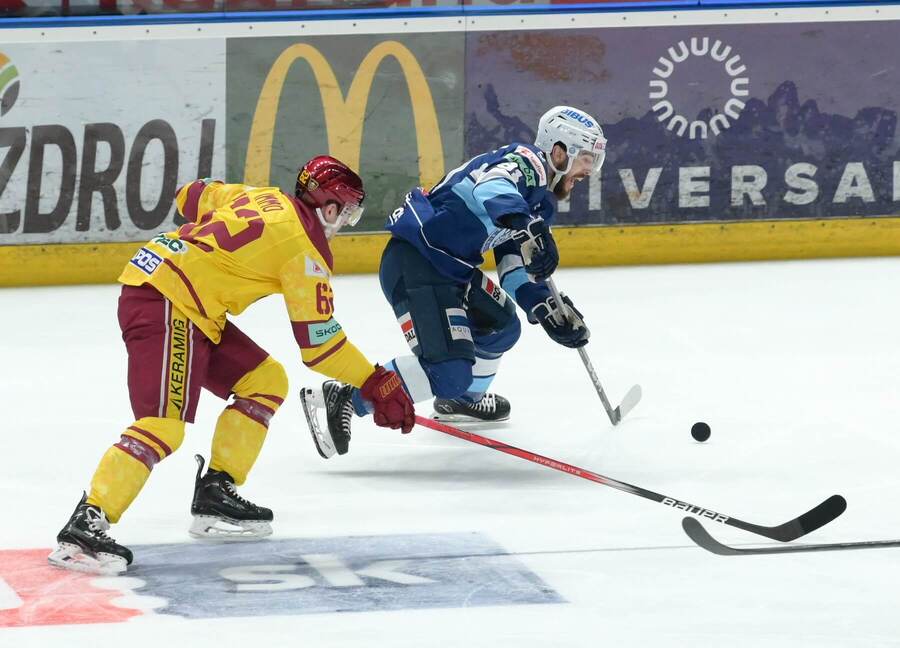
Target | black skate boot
(217,504)
(334,398)
(84,545)
(490,408)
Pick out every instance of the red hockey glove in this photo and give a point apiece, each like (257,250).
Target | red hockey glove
(393,408)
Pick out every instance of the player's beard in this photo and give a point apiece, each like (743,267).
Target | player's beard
(562,191)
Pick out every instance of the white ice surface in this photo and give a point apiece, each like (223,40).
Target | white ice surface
(794,365)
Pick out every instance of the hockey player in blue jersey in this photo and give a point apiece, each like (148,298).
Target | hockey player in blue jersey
(457,321)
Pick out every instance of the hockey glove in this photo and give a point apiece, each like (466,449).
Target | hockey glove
(564,325)
(538,248)
(393,408)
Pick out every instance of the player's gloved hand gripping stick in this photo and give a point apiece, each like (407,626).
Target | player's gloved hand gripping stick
(537,245)
(561,320)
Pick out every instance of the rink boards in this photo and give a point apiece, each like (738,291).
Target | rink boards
(725,140)
(87,263)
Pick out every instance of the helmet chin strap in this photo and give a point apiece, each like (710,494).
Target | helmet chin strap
(330,228)
(558,174)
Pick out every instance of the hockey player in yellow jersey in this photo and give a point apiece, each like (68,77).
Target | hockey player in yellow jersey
(240,244)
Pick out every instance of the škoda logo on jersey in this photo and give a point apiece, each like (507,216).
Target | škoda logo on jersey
(345,114)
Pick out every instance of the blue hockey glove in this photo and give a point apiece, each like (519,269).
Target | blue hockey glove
(538,248)
(564,325)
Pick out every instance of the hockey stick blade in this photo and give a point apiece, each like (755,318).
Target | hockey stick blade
(820,515)
(813,519)
(701,537)
(632,398)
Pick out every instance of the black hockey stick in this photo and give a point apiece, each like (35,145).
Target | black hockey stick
(698,533)
(791,530)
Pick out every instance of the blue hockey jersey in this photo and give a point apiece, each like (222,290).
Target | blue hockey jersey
(455,223)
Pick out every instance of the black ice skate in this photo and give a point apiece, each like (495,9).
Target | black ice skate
(84,545)
(490,408)
(334,398)
(221,514)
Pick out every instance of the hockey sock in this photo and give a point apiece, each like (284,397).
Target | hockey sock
(483,373)
(124,468)
(239,437)
(242,427)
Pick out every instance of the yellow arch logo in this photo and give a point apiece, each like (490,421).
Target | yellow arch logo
(345,116)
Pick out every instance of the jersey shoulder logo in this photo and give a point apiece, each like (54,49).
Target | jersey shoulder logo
(535,161)
(315,269)
(146,261)
(175,246)
(521,168)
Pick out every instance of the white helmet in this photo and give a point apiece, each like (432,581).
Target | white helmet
(577,131)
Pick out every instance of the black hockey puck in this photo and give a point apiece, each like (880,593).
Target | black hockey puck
(700,431)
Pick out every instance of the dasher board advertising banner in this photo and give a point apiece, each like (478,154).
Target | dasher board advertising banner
(706,123)
(389,105)
(95,137)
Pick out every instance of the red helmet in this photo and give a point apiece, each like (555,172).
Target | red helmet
(325,179)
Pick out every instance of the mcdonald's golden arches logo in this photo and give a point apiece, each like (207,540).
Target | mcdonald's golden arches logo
(345,115)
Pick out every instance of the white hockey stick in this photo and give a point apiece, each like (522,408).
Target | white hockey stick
(631,398)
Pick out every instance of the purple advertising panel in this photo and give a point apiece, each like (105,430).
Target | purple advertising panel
(706,123)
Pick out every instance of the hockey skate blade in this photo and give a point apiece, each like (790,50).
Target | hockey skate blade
(312,402)
(209,527)
(73,558)
(465,419)
(632,398)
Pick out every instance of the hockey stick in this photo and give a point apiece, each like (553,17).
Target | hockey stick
(791,530)
(631,398)
(698,533)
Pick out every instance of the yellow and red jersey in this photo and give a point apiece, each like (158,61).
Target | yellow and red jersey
(243,243)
